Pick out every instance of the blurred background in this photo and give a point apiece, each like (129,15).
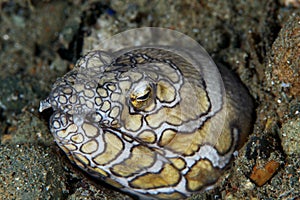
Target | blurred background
(41,40)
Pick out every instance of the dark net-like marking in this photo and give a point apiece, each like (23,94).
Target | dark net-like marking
(156,121)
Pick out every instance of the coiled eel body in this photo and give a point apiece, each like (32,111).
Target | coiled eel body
(150,114)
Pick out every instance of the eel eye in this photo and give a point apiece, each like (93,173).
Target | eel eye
(141,96)
(144,97)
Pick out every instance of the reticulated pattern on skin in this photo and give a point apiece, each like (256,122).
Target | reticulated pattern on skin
(122,156)
(153,120)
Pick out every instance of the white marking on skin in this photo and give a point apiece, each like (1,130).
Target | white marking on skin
(96,97)
(78,119)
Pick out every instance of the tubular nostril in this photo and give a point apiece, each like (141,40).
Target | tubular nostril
(45,104)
